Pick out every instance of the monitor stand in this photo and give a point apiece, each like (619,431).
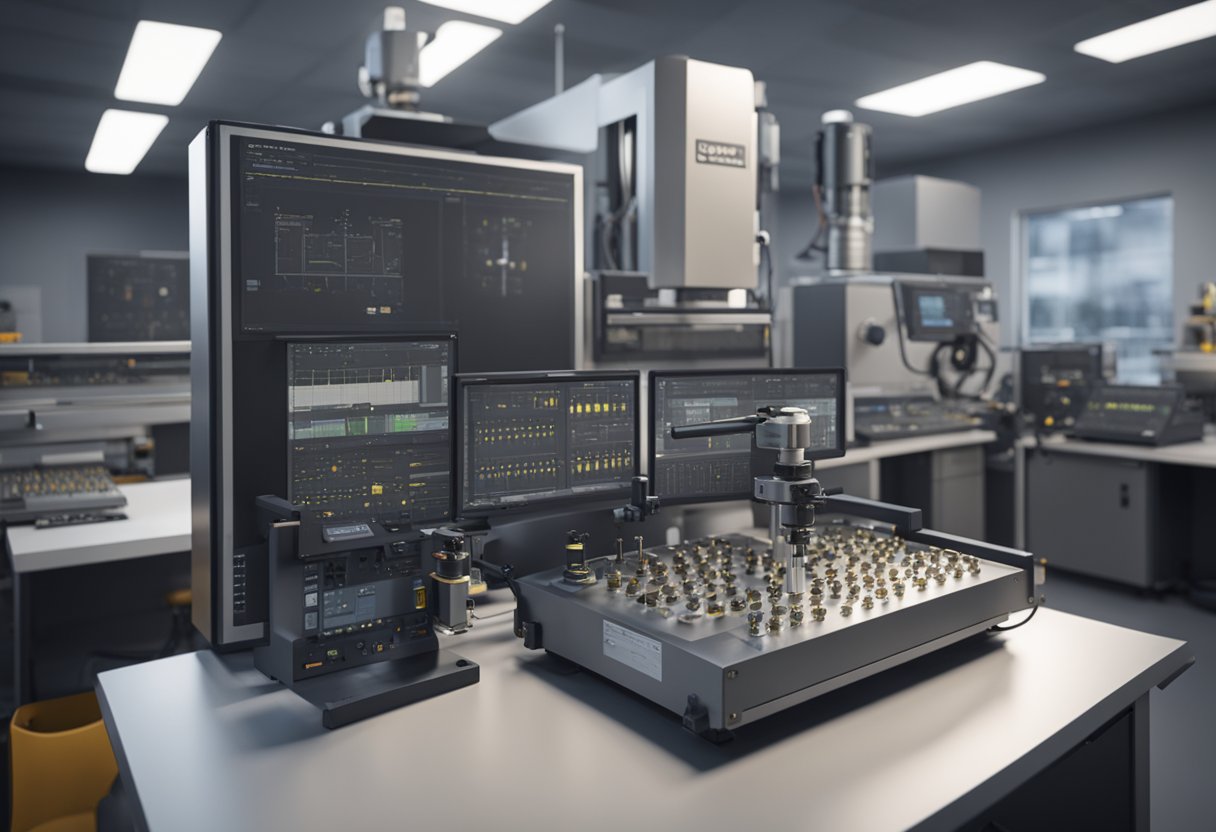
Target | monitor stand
(360,692)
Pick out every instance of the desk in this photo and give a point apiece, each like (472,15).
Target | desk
(942,474)
(912,445)
(206,742)
(1134,511)
(158,523)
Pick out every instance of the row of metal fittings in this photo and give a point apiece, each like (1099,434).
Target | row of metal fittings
(879,566)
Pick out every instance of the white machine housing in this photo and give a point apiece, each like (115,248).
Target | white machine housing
(693,164)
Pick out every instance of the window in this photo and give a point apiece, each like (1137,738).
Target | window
(1102,273)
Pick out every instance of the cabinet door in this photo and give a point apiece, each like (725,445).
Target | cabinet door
(1091,515)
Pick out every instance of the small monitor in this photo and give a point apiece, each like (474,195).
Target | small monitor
(720,468)
(533,441)
(139,297)
(937,313)
(369,430)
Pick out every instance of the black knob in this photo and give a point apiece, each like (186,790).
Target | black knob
(874,334)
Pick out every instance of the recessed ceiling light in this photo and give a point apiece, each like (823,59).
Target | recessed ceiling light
(163,61)
(506,11)
(1165,31)
(454,43)
(961,85)
(122,139)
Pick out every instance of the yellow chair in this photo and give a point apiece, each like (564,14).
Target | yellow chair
(62,765)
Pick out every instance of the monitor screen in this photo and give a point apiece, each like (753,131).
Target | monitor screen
(937,313)
(720,467)
(337,236)
(368,430)
(536,440)
(139,297)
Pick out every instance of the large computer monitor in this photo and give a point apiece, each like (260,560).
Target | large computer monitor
(341,235)
(369,430)
(139,297)
(720,468)
(298,236)
(536,441)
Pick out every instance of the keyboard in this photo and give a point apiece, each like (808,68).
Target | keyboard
(29,493)
(905,417)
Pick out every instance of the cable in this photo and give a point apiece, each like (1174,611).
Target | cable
(477,617)
(822,219)
(997,628)
(766,258)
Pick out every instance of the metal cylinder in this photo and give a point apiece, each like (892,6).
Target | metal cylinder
(846,173)
(795,569)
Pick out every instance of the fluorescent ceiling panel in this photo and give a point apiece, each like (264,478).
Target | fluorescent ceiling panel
(122,139)
(1165,31)
(506,11)
(163,62)
(961,85)
(454,43)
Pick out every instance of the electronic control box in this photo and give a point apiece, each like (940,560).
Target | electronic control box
(349,595)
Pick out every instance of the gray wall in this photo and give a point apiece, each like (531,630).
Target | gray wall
(51,220)
(1172,153)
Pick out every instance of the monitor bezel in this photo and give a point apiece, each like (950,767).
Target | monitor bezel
(229,132)
(385,338)
(543,504)
(655,375)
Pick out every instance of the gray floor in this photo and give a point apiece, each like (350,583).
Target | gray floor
(1183,716)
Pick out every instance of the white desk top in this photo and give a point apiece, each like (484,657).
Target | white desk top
(913,445)
(158,523)
(1200,454)
(207,742)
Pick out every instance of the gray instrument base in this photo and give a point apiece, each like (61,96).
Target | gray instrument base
(718,676)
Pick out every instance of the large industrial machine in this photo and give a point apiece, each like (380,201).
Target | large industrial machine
(685,152)
(916,344)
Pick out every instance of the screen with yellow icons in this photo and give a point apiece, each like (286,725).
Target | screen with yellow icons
(368,430)
(529,440)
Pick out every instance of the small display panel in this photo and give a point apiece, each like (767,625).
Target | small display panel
(1124,409)
(720,467)
(529,440)
(937,313)
(368,430)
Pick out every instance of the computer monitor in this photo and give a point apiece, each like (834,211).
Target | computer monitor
(536,441)
(369,430)
(139,297)
(720,468)
(341,235)
(298,236)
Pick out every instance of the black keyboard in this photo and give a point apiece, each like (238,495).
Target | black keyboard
(29,493)
(905,417)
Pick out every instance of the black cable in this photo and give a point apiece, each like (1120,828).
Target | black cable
(899,334)
(806,253)
(997,628)
(766,258)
